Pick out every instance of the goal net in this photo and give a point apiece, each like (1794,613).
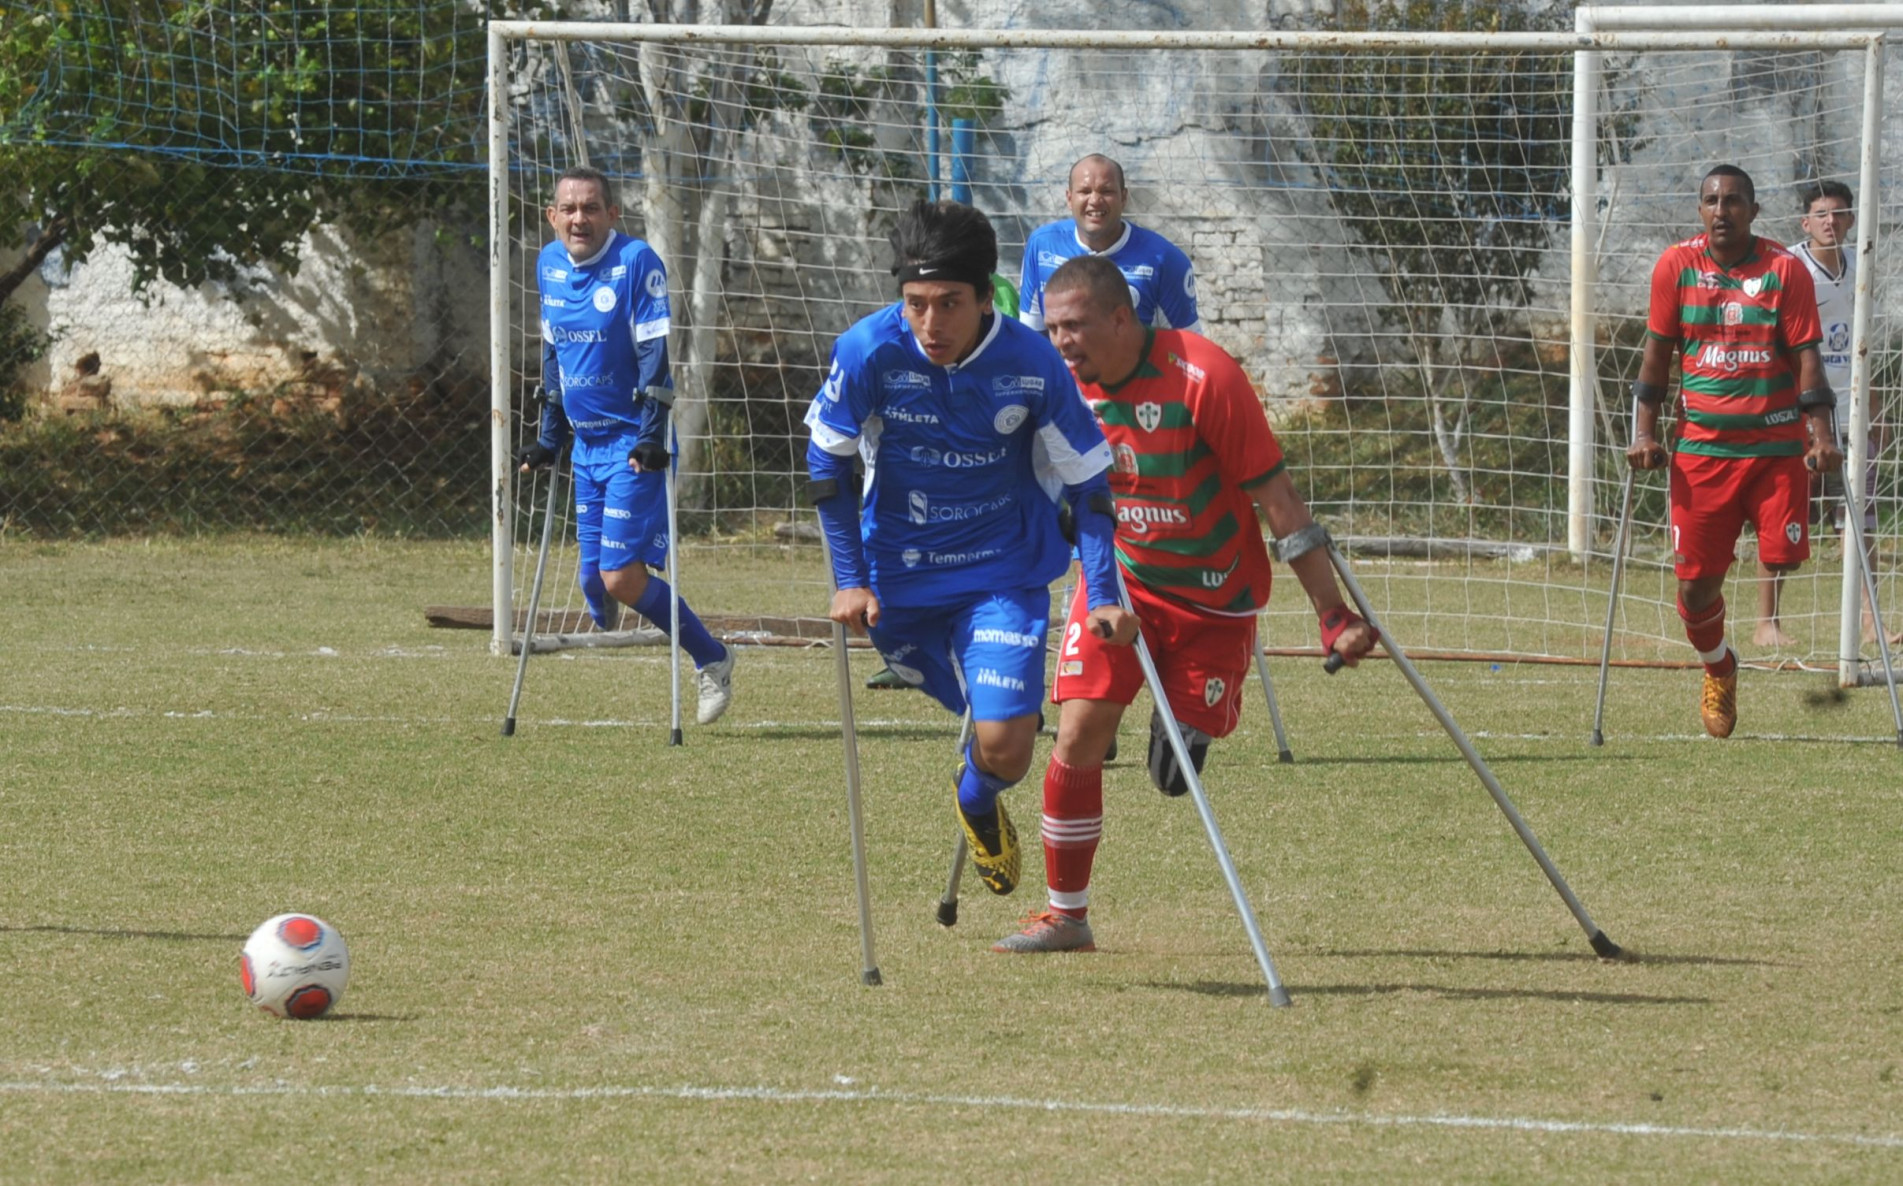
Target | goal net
(1380,231)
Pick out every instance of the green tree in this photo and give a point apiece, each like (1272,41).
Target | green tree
(207,136)
(1452,171)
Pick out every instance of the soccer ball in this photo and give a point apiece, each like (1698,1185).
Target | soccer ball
(294,966)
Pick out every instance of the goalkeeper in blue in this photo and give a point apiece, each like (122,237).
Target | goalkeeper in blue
(972,431)
(606,382)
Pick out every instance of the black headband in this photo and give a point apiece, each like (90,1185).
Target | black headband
(956,271)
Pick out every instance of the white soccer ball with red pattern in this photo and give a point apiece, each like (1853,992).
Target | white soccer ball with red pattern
(294,966)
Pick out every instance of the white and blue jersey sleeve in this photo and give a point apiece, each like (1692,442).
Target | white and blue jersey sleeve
(606,319)
(1161,279)
(962,462)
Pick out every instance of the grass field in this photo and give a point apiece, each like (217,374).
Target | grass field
(580,955)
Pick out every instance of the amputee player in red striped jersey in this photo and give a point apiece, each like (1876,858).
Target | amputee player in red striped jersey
(1740,314)
(1193,457)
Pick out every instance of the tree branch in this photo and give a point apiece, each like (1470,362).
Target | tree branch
(51,236)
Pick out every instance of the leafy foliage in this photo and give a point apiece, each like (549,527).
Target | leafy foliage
(207,137)
(21,345)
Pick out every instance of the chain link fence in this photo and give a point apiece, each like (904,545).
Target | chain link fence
(241,267)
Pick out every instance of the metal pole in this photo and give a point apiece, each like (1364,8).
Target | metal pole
(1612,604)
(1278,993)
(1853,514)
(931,107)
(501,468)
(1582,383)
(535,600)
(1600,943)
(673,584)
(1857,448)
(948,902)
(1283,754)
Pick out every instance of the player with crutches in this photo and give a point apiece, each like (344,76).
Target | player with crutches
(1194,458)
(970,424)
(605,321)
(1739,312)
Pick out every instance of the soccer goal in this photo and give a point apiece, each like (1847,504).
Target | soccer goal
(1382,228)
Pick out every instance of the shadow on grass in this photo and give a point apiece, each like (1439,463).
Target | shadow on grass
(921,732)
(1583,957)
(1456,759)
(107,933)
(1217,988)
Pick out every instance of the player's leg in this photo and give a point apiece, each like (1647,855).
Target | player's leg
(589,488)
(999,643)
(1708,510)
(634,537)
(1770,632)
(1095,683)
(1202,660)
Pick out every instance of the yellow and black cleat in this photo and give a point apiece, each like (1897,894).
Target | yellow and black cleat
(997,869)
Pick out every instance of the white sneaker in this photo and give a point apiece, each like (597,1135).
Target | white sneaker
(716,688)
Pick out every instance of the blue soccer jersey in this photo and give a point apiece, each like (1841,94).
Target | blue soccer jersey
(605,320)
(1162,283)
(963,462)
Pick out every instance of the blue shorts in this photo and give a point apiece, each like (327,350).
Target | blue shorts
(990,648)
(620,515)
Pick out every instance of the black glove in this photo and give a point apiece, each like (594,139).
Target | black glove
(535,456)
(651,457)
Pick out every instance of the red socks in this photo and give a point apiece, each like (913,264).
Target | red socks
(1706,630)
(1073,822)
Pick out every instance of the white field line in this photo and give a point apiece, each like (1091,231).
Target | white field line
(778,1095)
(1564,737)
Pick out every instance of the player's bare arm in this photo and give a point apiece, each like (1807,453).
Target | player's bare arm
(856,608)
(1287,514)
(1824,456)
(1655,373)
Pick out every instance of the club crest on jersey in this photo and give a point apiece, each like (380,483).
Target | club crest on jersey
(657,283)
(1009,418)
(1213,689)
(1149,415)
(1189,285)
(605,299)
(1838,337)
(1754,286)
(1793,532)
(1734,313)
(1124,460)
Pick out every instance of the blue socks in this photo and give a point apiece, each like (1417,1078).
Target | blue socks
(977,791)
(595,594)
(695,639)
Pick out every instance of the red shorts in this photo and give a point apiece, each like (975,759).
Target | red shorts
(1202,658)
(1714,497)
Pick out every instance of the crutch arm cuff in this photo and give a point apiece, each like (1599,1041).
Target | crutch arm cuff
(1818,398)
(1652,394)
(1302,541)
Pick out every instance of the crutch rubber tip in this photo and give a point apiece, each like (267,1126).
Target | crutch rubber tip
(1598,738)
(1286,758)
(948,913)
(871,978)
(1278,997)
(1333,663)
(508,727)
(1604,947)
(674,738)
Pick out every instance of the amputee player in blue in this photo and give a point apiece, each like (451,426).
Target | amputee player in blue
(605,378)
(1162,282)
(971,427)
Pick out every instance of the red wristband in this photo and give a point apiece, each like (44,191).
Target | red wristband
(1335,623)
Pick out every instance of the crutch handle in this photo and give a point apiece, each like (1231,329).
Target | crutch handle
(1334,662)
(1101,628)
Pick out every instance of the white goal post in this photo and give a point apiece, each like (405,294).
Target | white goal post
(1427,249)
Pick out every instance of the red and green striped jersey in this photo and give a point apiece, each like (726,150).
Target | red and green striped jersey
(1187,434)
(1737,330)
